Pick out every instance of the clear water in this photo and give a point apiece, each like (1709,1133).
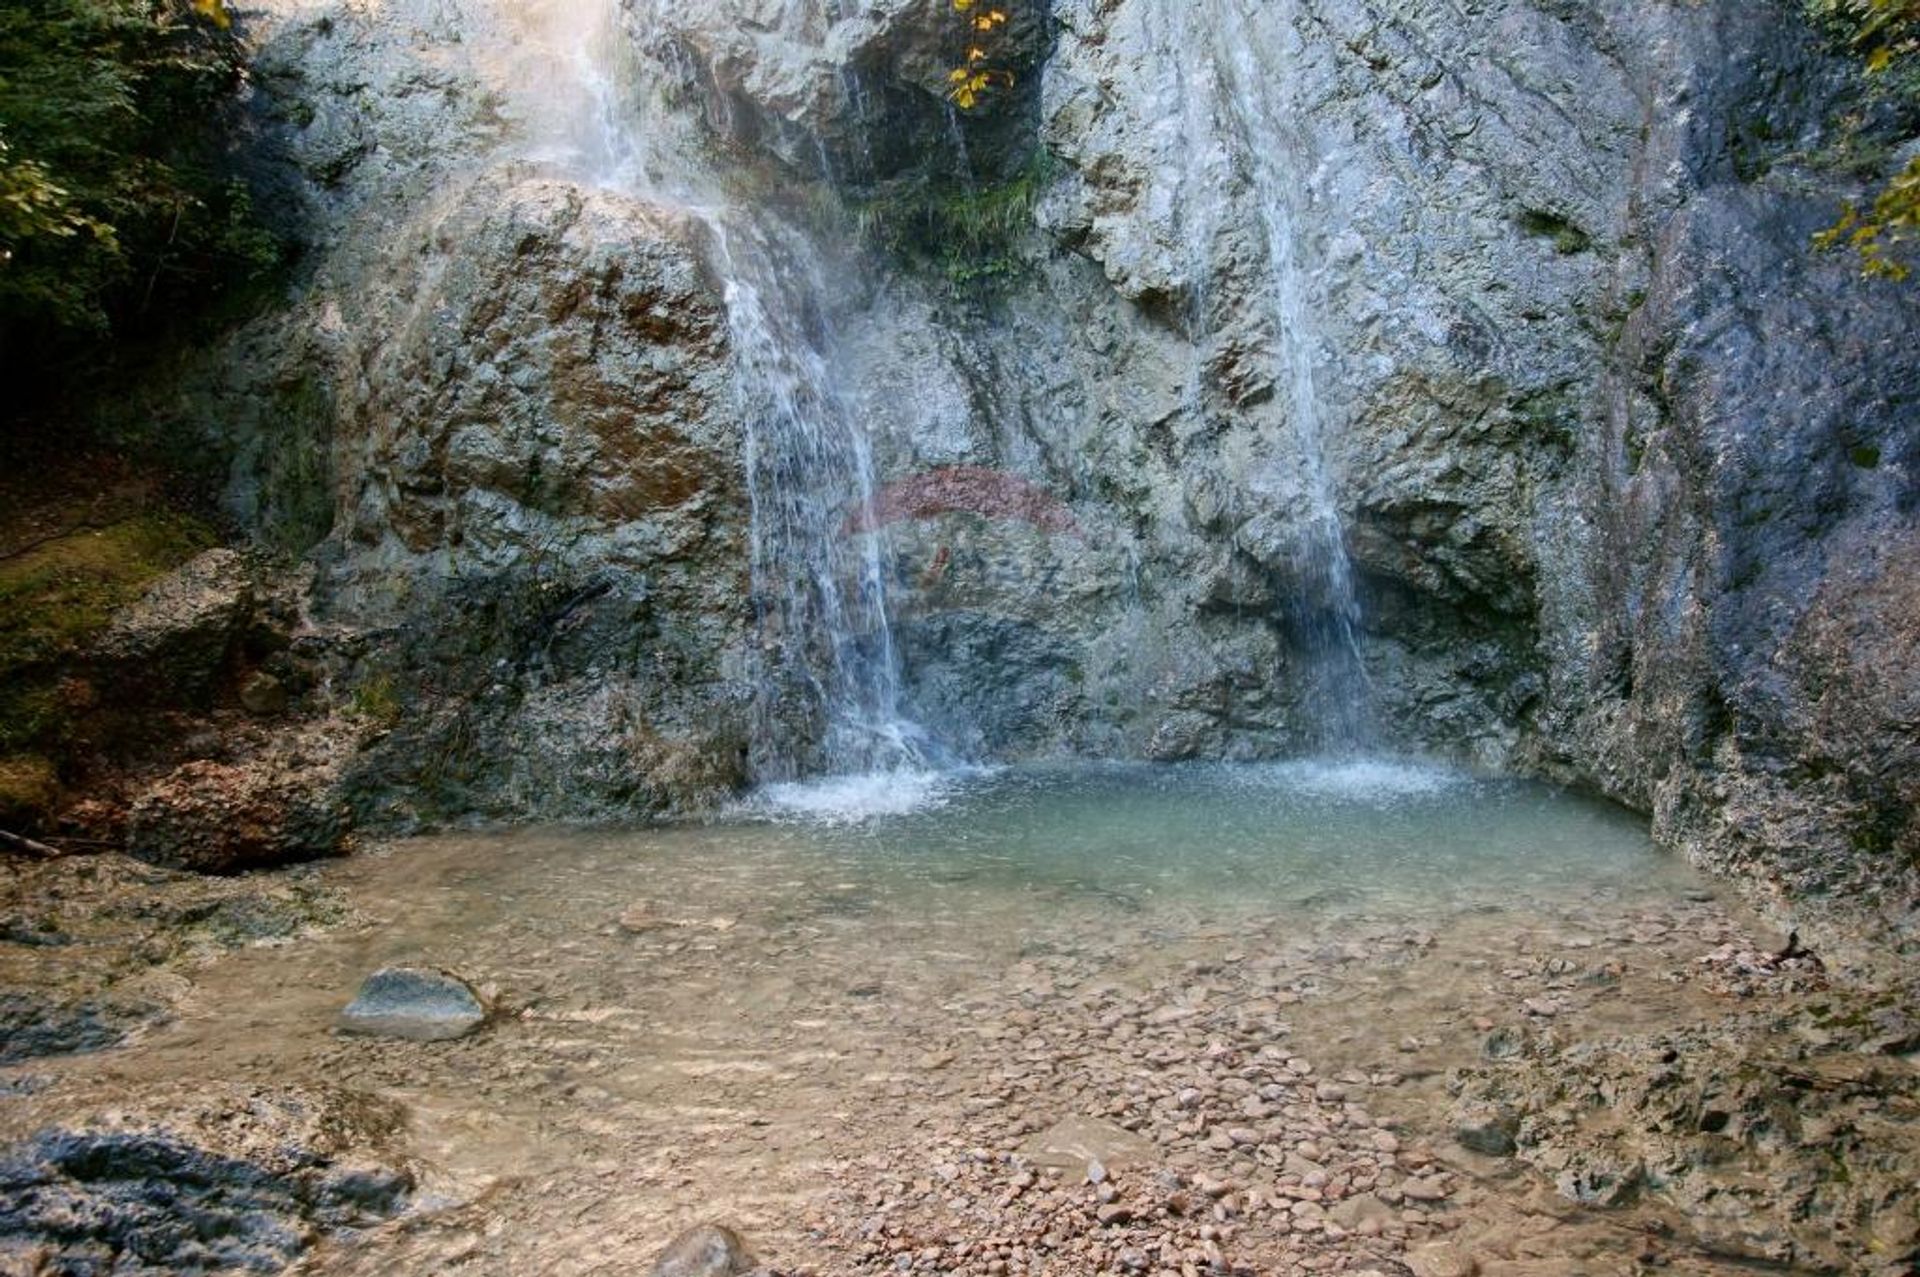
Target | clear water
(727,1019)
(1341,834)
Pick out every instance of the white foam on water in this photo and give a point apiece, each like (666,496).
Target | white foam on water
(852,799)
(1364,780)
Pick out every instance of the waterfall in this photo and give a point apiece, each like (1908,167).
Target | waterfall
(1236,136)
(828,682)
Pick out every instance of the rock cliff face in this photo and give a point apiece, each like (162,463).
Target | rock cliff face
(1617,454)
(498,417)
(1524,293)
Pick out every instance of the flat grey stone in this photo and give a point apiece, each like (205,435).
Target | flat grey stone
(421,1004)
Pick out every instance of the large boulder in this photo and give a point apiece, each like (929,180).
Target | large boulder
(282,805)
(175,640)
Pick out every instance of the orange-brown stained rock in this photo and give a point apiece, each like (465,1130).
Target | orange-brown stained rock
(992,494)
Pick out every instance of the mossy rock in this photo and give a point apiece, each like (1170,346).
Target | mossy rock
(29,791)
(57,596)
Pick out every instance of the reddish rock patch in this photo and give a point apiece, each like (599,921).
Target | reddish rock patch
(991,494)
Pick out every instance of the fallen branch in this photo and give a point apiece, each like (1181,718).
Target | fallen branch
(27,846)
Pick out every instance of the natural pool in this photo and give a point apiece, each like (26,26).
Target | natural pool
(1249,838)
(842,1015)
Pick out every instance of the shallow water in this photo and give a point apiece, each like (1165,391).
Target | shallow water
(727,1016)
(1351,835)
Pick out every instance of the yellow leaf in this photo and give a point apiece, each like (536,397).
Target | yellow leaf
(214,11)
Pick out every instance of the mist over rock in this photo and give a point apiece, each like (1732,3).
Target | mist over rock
(1622,466)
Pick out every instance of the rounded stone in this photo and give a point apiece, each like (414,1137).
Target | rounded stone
(420,1004)
(262,694)
(708,1250)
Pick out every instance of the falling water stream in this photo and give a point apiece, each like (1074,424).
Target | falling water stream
(1236,135)
(829,690)
(828,693)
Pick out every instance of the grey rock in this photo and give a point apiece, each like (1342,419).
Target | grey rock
(1601,1180)
(202,1179)
(1486,1128)
(263,694)
(706,1250)
(176,638)
(34,1023)
(416,1003)
(1705,1120)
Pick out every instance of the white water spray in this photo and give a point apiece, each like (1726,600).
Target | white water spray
(828,690)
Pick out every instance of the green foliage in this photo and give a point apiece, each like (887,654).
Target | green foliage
(968,234)
(113,208)
(1886,34)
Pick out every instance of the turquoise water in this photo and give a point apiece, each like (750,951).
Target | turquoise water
(1306,834)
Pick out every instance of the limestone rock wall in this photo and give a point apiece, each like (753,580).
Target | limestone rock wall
(1618,454)
(1626,469)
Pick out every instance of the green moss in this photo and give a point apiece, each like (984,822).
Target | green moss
(377,699)
(55,597)
(58,594)
(29,789)
(969,234)
(1567,238)
(1865,455)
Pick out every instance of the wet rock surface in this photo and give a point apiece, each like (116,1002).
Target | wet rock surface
(93,949)
(201,1178)
(33,1023)
(1786,1138)
(418,1004)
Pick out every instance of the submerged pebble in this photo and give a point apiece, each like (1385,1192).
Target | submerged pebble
(707,1250)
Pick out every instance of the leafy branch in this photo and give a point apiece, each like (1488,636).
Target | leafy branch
(112,205)
(980,71)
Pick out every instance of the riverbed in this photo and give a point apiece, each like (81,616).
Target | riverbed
(1097,1019)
